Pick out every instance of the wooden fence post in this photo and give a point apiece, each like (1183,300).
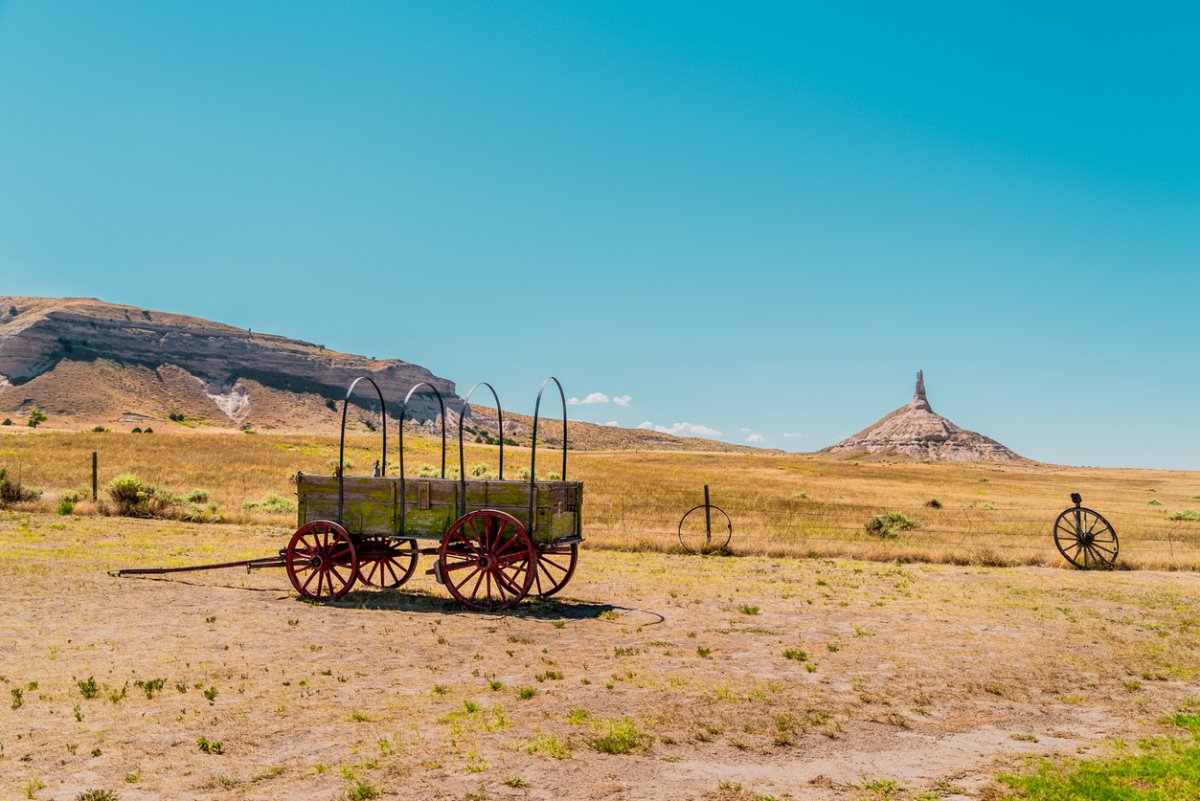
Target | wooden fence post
(707,519)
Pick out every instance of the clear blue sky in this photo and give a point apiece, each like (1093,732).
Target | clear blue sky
(761,219)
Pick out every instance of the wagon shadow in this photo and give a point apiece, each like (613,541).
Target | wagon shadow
(425,603)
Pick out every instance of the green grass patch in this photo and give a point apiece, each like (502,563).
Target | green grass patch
(358,790)
(550,746)
(1164,768)
(623,737)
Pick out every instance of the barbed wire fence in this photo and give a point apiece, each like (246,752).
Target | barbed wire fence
(972,534)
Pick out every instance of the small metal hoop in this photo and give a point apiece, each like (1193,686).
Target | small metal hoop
(715,543)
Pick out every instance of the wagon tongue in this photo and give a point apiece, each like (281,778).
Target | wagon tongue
(249,564)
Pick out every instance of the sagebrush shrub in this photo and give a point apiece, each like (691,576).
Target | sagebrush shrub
(133,497)
(13,493)
(272,503)
(887,525)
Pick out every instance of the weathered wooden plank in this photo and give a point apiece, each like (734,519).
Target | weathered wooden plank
(431,505)
(369,502)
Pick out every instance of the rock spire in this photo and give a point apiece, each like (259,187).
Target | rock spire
(916,431)
(919,400)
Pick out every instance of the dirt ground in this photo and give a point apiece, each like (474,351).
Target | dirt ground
(722,677)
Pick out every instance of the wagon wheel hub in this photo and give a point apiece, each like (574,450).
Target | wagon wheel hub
(315,561)
(485,562)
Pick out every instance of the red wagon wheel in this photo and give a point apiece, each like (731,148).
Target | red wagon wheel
(484,560)
(386,562)
(555,566)
(321,561)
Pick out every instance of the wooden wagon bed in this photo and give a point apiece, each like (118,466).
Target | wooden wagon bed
(425,508)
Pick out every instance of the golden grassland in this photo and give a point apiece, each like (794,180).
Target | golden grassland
(654,675)
(779,504)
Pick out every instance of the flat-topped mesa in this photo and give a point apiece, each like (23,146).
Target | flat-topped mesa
(916,431)
(919,400)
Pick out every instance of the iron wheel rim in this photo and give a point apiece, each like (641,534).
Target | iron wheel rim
(322,551)
(1086,539)
(484,560)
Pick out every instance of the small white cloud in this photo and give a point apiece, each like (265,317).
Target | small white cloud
(613,424)
(745,430)
(791,435)
(622,400)
(593,397)
(681,429)
(755,438)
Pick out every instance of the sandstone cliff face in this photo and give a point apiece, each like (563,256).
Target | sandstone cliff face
(917,432)
(232,368)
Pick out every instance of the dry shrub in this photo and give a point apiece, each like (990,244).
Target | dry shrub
(11,492)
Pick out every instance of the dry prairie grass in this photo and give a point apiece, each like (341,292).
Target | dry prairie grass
(780,504)
(655,676)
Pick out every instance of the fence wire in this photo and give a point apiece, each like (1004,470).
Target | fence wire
(986,533)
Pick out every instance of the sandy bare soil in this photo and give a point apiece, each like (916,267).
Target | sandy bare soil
(931,679)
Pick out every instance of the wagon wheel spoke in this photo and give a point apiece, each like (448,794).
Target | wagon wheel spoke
(512,543)
(550,574)
(474,551)
(478,581)
(311,575)
(504,581)
(468,578)
(385,564)
(542,558)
